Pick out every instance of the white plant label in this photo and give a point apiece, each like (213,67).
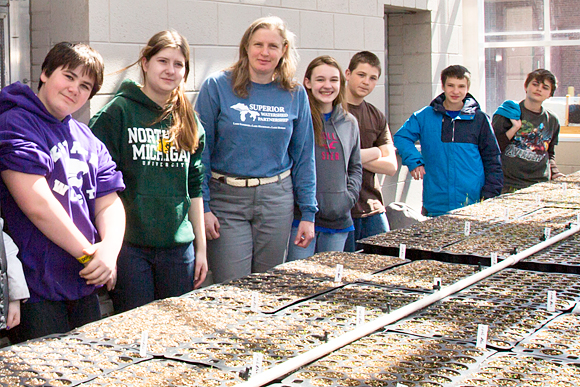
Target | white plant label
(467,229)
(506,214)
(255,307)
(338,275)
(493,259)
(360,315)
(538,200)
(564,187)
(578,219)
(437,283)
(551,303)
(402,250)
(143,346)
(482,336)
(257,361)
(547,232)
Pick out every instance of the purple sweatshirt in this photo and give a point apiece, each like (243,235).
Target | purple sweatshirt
(78,169)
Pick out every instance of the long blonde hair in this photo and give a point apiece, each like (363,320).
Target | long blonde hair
(315,104)
(286,68)
(183,132)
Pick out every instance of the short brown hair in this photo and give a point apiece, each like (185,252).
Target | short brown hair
(455,71)
(542,75)
(72,55)
(364,57)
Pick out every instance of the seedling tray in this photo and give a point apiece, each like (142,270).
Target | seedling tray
(522,287)
(419,275)
(61,360)
(165,373)
(563,257)
(338,308)
(558,339)
(302,279)
(510,369)
(388,358)
(517,235)
(278,338)
(457,318)
(169,323)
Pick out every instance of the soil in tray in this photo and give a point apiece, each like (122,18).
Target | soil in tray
(388,358)
(458,318)
(566,252)
(339,307)
(169,323)
(60,360)
(419,275)
(277,337)
(165,373)
(298,280)
(431,234)
(521,287)
(558,339)
(508,369)
(518,234)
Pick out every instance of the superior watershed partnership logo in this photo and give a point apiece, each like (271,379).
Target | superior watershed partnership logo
(261,113)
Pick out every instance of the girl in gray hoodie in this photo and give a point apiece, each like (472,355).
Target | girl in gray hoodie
(338,164)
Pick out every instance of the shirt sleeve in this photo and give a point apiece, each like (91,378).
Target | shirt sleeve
(22,147)
(384,137)
(17,287)
(405,139)
(208,108)
(501,125)
(301,151)
(195,174)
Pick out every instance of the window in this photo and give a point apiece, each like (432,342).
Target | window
(524,35)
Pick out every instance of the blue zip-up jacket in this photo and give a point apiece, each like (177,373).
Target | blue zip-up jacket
(461,155)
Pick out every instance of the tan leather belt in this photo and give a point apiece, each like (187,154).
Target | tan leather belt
(250,181)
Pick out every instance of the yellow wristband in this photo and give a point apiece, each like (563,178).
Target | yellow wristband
(85,258)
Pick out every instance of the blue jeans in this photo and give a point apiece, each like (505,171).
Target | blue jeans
(145,274)
(323,241)
(46,317)
(366,227)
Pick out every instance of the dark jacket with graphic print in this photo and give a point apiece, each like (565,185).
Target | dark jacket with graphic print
(529,157)
(160,179)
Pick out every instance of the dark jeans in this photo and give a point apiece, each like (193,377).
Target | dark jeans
(366,227)
(145,274)
(47,317)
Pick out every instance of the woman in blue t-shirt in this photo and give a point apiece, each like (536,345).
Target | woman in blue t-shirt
(259,155)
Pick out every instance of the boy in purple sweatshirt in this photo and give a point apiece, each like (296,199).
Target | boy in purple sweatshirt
(59,194)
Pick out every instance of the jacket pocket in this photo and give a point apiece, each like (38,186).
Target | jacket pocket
(334,205)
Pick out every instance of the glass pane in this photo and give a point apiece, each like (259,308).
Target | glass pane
(566,36)
(565,67)
(513,38)
(506,70)
(565,15)
(523,15)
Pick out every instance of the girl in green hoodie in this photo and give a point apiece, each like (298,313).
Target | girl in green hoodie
(155,138)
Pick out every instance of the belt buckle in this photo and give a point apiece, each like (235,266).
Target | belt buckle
(252,182)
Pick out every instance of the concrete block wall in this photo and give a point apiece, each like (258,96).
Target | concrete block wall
(423,37)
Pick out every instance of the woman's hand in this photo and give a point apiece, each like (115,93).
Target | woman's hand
(305,234)
(212,226)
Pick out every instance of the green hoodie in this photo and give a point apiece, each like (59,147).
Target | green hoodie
(160,179)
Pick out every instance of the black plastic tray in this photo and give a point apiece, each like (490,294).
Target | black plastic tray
(511,369)
(558,339)
(388,358)
(61,360)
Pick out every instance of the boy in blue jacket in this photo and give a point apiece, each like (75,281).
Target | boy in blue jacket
(459,160)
